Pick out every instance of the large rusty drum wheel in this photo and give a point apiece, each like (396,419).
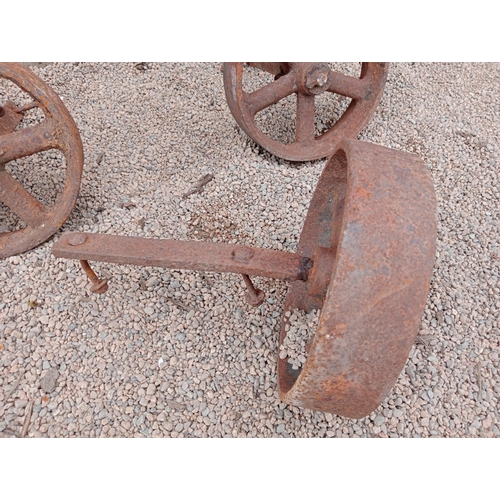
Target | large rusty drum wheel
(306,80)
(370,231)
(57,131)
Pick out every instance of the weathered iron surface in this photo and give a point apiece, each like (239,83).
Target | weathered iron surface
(173,254)
(276,69)
(374,208)
(10,116)
(306,80)
(57,131)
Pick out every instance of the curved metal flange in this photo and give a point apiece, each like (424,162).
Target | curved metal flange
(57,131)
(373,217)
(306,80)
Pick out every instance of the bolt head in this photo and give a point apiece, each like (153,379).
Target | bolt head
(317,79)
(77,239)
(255,300)
(101,287)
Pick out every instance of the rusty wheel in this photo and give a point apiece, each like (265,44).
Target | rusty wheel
(306,80)
(371,232)
(57,131)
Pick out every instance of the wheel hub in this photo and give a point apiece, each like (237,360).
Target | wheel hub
(313,78)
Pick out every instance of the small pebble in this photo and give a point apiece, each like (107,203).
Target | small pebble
(49,381)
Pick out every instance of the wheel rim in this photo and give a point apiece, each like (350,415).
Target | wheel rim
(365,92)
(380,227)
(57,131)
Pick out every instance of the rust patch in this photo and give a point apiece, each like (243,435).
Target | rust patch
(362,192)
(244,255)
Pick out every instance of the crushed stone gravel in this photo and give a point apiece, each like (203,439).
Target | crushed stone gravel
(300,329)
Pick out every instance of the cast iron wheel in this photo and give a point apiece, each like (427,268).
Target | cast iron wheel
(305,80)
(57,131)
(371,232)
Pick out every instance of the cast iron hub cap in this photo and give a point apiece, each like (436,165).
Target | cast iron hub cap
(313,78)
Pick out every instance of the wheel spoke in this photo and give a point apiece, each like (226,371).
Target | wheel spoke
(271,94)
(14,195)
(348,86)
(27,107)
(27,141)
(271,67)
(304,122)
(9,118)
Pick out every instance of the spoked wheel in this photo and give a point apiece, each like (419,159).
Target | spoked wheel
(57,131)
(306,80)
(371,232)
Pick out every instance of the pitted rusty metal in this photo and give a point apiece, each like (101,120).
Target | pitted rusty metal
(10,116)
(174,254)
(306,80)
(57,131)
(375,209)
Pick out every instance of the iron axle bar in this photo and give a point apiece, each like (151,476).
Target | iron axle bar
(173,254)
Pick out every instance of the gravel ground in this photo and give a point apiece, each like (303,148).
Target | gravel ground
(180,354)
(299,333)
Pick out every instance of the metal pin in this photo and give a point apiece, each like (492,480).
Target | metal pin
(254,296)
(99,286)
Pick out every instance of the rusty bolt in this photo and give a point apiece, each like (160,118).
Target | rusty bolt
(76,240)
(99,286)
(316,79)
(254,296)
